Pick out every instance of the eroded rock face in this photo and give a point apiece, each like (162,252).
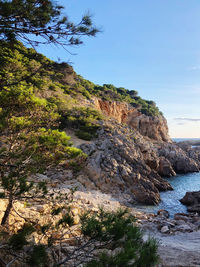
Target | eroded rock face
(153,127)
(133,152)
(121,160)
(180,160)
(165,168)
(116,163)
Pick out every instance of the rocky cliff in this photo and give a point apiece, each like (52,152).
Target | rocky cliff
(125,163)
(132,150)
(152,127)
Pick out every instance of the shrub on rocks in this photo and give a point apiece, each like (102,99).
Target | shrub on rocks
(101,239)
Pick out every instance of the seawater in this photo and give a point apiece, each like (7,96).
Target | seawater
(170,199)
(181,184)
(184,139)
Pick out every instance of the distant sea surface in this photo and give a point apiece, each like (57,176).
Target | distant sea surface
(181,184)
(184,139)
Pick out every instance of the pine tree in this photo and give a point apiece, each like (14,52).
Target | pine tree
(30,139)
(37,22)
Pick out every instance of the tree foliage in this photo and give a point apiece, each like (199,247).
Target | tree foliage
(104,239)
(29,128)
(123,240)
(41,22)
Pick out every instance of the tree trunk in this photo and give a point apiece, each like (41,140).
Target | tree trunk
(8,210)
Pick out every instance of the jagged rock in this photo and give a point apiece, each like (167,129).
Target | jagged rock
(121,160)
(165,168)
(178,158)
(191,198)
(149,196)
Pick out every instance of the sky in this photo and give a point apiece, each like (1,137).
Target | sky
(152,46)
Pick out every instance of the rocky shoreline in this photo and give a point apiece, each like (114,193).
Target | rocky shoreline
(130,167)
(122,161)
(178,237)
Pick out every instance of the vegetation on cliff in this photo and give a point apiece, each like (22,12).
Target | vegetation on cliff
(61,87)
(111,93)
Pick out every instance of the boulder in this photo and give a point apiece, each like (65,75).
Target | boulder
(191,198)
(165,229)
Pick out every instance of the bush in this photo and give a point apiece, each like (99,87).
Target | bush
(83,120)
(84,135)
(103,239)
(121,240)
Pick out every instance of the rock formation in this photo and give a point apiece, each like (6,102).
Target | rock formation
(121,160)
(152,127)
(133,152)
(192,200)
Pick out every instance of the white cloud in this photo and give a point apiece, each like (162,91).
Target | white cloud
(187,119)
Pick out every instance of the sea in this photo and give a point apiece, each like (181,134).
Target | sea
(181,184)
(184,139)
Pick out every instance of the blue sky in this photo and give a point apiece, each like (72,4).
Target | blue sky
(152,46)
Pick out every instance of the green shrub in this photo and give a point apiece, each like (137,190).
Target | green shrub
(83,120)
(106,239)
(116,230)
(38,256)
(45,75)
(84,135)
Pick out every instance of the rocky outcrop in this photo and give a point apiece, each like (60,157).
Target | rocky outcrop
(132,154)
(179,159)
(152,127)
(192,200)
(178,238)
(116,164)
(121,160)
